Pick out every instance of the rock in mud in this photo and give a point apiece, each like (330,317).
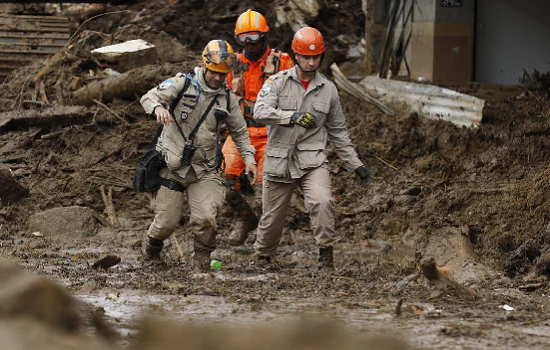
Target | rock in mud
(543,265)
(106,262)
(72,221)
(11,190)
(127,55)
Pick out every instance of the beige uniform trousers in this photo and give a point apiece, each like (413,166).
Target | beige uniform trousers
(205,197)
(318,201)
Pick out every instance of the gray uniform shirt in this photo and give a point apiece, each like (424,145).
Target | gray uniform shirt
(292,150)
(187,114)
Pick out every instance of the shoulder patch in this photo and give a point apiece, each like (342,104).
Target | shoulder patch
(166,84)
(266,88)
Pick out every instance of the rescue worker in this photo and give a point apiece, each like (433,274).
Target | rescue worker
(192,153)
(303,111)
(254,65)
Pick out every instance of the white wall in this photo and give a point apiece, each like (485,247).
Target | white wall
(511,35)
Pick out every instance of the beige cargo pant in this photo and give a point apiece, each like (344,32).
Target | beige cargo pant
(205,197)
(318,201)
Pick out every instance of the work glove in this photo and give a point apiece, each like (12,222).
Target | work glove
(220,114)
(304,119)
(363,172)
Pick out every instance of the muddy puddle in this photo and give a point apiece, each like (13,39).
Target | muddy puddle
(442,327)
(372,277)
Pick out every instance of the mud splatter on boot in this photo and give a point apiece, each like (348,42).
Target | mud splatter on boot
(201,260)
(264,263)
(246,219)
(326,258)
(153,248)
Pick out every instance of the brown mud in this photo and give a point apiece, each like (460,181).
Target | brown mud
(475,200)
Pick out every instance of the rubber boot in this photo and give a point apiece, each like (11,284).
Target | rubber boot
(246,220)
(264,262)
(201,259)
(326,259)
(153,248)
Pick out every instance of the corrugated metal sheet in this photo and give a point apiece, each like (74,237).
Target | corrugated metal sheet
(428,100)
(24,39)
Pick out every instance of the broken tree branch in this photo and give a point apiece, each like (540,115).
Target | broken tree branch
(108,200)
(43,95)
(431,272)
(178,247)
(49,64)
(357,90)
(111,111)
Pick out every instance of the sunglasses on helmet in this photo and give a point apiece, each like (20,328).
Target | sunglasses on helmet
(217,57)
(250,37)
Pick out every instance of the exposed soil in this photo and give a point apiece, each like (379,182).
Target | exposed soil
(472,199)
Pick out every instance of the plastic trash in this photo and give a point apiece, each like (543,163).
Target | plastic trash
(216,265)
(422,79)
(506,307)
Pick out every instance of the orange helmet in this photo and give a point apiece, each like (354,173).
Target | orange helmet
(218,56)
(251,26)
(308,41)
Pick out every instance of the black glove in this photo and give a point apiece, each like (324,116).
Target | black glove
(304,120)
(363,172)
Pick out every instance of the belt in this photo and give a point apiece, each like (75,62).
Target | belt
(172,185)
(252,122)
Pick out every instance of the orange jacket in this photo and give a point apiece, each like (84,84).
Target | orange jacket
(247,77)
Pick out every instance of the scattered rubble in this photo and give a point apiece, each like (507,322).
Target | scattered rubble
(58,222)
(127,55)
(11,190)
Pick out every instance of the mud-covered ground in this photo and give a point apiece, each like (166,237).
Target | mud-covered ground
(475,200)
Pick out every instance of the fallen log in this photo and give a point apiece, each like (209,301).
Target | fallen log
(135,82)
(48,117)
(533,286)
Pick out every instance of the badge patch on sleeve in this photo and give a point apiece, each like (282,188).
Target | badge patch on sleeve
(166,84)
(266,88)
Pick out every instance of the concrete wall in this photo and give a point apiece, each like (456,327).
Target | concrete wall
(422,39)
(442,41)
(511,35)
